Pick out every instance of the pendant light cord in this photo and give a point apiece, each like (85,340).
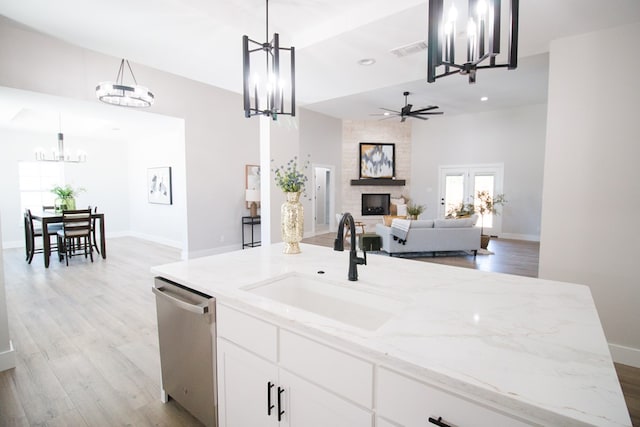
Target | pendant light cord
(267,22)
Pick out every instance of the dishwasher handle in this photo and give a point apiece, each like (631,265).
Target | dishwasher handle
(202,308)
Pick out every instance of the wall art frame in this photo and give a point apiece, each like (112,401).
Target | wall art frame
(377,160)
(159,189)
(252,180)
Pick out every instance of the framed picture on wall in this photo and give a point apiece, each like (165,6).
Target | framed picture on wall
(159,185)
(377,160)
(252,180)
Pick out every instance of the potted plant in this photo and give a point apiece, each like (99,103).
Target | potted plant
(66,197)
(292,181)
(414,210)
(487,204)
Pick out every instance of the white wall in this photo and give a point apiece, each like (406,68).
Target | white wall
(514,137)
(592,191)
(165,224)
(7,353)
(321,140)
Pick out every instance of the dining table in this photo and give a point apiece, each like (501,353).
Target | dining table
(49,217)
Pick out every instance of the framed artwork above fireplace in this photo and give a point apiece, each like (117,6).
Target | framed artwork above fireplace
(377,160)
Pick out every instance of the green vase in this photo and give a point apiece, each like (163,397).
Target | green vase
(65,204)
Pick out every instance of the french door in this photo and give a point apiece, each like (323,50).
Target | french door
(461,184)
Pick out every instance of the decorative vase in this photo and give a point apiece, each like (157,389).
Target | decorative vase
(292,222)
(65,204)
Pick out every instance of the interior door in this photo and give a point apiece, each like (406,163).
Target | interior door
(461,184)
(323,201)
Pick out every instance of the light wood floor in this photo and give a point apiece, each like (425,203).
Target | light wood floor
(520,258)
(86,341)
(86,337)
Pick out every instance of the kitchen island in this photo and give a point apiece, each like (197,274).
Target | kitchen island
(409,343)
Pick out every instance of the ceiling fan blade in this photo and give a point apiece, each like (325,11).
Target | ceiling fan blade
(431,107)
(415,113)
(393,111)
(419,117)
(403,119)
(387,118)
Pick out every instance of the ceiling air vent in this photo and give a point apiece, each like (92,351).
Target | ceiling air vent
(409,49)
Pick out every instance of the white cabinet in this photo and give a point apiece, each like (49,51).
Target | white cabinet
(308,405)
(271,376)
(308,385)
(243,379)
(417,402)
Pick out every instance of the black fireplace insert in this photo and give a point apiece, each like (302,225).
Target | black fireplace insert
(375,204)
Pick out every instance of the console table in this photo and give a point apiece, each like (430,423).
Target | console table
(250,221)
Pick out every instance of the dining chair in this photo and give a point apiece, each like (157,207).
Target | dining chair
(31,232)
(76,226)
(94,241)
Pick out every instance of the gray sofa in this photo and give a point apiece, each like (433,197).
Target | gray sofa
(433,236)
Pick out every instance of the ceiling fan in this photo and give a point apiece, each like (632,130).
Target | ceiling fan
(407,112)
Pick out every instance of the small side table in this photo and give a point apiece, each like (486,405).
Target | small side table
(251,221)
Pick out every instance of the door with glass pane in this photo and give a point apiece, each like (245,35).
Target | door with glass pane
(460,185)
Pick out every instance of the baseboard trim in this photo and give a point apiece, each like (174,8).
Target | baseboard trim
(8,358)
(625,355)
(515,236)
(156,239)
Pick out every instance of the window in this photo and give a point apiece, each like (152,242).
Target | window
(36,181)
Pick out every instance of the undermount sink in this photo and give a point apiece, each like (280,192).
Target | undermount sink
(352,304)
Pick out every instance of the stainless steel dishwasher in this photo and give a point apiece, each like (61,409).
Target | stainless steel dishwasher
(186,334)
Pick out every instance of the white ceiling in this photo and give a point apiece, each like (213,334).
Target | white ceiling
(201,40)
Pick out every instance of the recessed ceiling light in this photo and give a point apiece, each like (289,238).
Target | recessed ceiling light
(484,98)
(367,61)
(386,113)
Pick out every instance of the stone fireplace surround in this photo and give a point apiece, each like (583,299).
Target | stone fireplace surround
(354,132)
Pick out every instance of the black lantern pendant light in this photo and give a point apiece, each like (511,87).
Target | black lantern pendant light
(483,38)
(265,80)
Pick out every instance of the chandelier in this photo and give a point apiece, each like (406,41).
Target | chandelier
(483,39)
(269,84)
(59,155)
(120,94)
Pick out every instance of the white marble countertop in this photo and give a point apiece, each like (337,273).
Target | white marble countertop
(533,346)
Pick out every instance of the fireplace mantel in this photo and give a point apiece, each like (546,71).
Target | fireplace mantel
(378,181)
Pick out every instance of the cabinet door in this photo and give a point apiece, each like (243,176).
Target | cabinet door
(243,380)
(307,405)
(410,403)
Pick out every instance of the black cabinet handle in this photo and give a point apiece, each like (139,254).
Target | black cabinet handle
(269,405)
(280,410)
(438,422)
